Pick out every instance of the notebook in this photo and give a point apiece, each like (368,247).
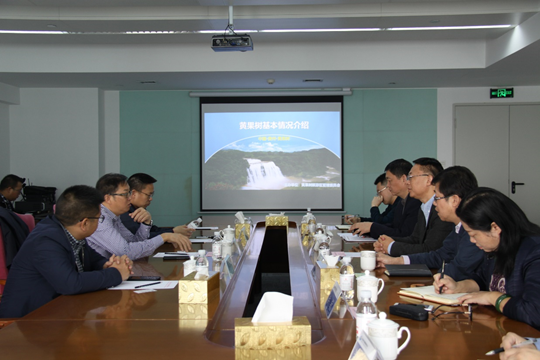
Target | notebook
(428,293)
(408,270)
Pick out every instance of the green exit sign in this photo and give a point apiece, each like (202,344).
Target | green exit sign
(501,93)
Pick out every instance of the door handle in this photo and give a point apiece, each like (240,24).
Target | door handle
(514,184)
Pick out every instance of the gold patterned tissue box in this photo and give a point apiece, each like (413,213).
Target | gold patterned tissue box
(297,353)
(267,336)
(192,291)
(200,311)
(327,278)
(280,220)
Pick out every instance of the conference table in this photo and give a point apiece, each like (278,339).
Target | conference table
(123,324)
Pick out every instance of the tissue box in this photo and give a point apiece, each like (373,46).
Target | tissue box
(267,336)
(300,353)
(191,291)
(279,220)
(200,311)
(239,234)
(327,279)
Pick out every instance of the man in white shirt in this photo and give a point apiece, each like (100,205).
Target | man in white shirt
(112,237)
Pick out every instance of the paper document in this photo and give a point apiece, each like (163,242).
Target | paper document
(207,228)
(349,254)
(350,237)
(132,285)
(162,254)
(201,240)
(343,227)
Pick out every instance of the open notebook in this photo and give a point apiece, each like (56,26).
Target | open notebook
(428,293)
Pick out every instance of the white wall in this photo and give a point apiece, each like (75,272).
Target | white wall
(4,140)
(54,137)
(109,133)
(448,97)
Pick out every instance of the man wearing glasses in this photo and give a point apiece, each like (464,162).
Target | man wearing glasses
(10,189)
(430,231)
(384,196)
(405,210)
(142,194)
(112,237)
(56,260)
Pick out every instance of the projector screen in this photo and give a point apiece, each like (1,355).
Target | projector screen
(266,154)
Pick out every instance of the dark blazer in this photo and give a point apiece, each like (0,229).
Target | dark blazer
(133,226)
(404,220)
(522,285)
(462,257)
(45,268)
(14,232)
(385,218)
(423,239)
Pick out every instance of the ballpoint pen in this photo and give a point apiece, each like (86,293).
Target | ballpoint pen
(500,350)
(154,283)
(442,277)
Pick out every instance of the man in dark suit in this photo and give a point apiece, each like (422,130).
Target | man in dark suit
(405,209)
(430,231)
(55,259)
(142,194)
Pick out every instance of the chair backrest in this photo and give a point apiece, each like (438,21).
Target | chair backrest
(28,220)
(3,268)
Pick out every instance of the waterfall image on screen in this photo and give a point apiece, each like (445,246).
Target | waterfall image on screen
(271,159)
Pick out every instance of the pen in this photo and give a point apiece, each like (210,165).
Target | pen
(500,350)
(154,283)
(442,277)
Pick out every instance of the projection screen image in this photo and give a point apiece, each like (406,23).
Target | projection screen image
(278,156)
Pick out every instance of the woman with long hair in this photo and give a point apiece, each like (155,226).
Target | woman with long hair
(509,278)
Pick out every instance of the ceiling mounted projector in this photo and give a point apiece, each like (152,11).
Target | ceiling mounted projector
(232,43)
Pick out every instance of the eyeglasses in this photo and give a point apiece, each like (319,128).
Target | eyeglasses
(380,191)
(99,218)
(126,195)
(150,196)
(409,177)
(469,312)
(440,198)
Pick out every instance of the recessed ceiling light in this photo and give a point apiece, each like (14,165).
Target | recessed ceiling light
(51,26)
(146,82)
(312,80)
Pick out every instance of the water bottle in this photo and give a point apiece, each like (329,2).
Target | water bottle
(195,223)
(201,264)
(346,279)
(366,312)
(216,247)
(324,248)
(312,222)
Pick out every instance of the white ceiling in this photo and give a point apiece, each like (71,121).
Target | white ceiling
(385,59)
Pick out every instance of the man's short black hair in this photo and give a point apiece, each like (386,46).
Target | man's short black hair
(108,183)
(380,179)
(399,167)
(429,165)
(456,180)
(11,181)
(76,203)
(139,181)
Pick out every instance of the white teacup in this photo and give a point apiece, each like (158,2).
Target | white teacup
(228,234)
(384,334)
(368,259)
(371,283)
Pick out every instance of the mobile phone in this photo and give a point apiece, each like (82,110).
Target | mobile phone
(143,278)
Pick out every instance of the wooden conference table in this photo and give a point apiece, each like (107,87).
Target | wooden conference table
(122,324)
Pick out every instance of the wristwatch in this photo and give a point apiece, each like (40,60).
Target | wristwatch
(151,223)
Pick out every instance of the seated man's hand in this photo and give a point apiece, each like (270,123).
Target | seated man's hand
(184,230)
(351,219)
(118,260)
(179,241)
(383,259)
(381,245)
(141,215)
(377,200)
(361,228)
(526,352)
(122,266)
